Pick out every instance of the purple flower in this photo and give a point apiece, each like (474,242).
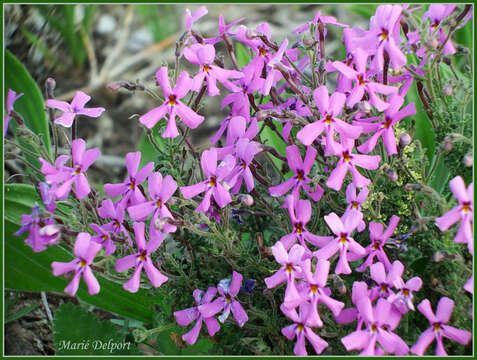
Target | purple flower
(439,329)
(402,301)
(245,151)
(301,168)
(355,202)
(160,192)
(330,108)
(228,290)
(343,242)
(42,233)
(314,291)
(213,186)
(385,282)
(108,210)
(378,239)
(437,13)
(348,162)
(300,214)
(142,260)
(462,212)
(47,196)
(273,74)
(103,237)
(190,19)
(378,330)
(82,160)
(317,19)
(204,55)
(172,105)
(291,268)
(469,285)
(11,98)
(384,128)
(302,329)
(131,195)
(362,82)
(224,30)
(70,111)
(186,316)
(85,251)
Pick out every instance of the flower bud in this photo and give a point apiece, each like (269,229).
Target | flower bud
(392,175)
(250,34)
(447,90)
(308,42)
(413,187)
(468,160)
(246,200)
(447,146)
(433,43)
(261,115)
(160,223)
(442,254)
(404,140)
(364,106)
(49,230)
(50,84)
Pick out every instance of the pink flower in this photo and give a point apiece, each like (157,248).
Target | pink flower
(301,168)
(291,268)
(172,105)
(437,13)
(204,55)
(39,235)
(363,83)
(439,329)
(300,214)
(378,240)
(354,202)
(115,212)
(160,192)
(384,128)
(385,282)
(379,330)
(11,98)
(302,329)
(103,237)
(64,177)
(402,301)
(314,291)
(343,242)
(227,301)
(70,111)
(317,19)
(462,212)
(186,316)
(349,162)
(141,260)
(190,19)
(330,109)
(131,195)
(85,251)
(214,185)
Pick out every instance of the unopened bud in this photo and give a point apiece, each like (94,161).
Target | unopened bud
(308,42)
(447,146)
(160,223)
(442,254)
(447,90)
(267,251)
(114,86)
(50,84)
(413,187)
(250,34)
(433,43)
(364,106)
(261,115)
(462,50)
(447,60)
(404,140)
(340,286)
(246,200)
(392,175)
(49,230)
(468,160)
(172,201)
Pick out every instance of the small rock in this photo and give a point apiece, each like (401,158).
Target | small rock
(106,24)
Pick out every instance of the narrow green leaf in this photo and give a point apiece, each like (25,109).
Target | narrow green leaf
(31,105)
(89,335)
(21,313)
(242,54)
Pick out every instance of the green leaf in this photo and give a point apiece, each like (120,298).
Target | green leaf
(167,346)
(242,54)
(31,105)
(88,336)
(440,176)
(270,138)
(21,313)
(148,152)
(29,271)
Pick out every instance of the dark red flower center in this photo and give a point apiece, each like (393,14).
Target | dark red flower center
(172,100)
(466,206)
(328,119)
(346,156)
(300,175)
(212,181)
(143,256)
(384,34)
(299,228)
(262,51)
(361,80)
(343,238)
(354,205)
